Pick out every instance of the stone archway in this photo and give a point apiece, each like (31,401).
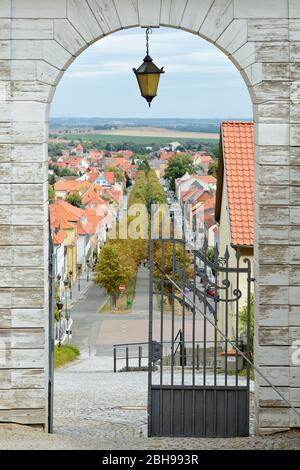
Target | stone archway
(39,40)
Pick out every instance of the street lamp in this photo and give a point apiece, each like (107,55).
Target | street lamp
(78,274)
(87,271)
(70,283)
(148,74)
(66,285)
(60,306)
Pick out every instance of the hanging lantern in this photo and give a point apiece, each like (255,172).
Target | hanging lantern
(148,74)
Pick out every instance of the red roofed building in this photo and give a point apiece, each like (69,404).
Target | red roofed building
(165,156)
(114,195)
(235,200)
(126,153)
(92,197)
(207,181)
(235,191)
(92,176)
(83,229)
(79,150)
(58,237)
(65,187)
(199,158)
(110,177)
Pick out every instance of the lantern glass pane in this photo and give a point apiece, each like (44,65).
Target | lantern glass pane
(148,83)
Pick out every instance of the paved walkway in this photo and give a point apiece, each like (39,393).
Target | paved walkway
(76,293)
(140,304)
(97,409)
(86,319)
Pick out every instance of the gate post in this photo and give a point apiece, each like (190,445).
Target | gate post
(277,224)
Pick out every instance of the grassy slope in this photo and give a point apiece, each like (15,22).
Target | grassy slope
(65,354)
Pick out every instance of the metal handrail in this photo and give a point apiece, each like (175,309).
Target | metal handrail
(186,355)
(179,345)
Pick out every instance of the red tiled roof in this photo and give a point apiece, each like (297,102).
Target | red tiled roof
(96,154)
(208,201)
(206,179)
(238,155)
(68,186)
(110,177)
(85,221)
(190,192)
(93,220)
(165,156)
(206,159)
(93,175)
(115,195)
(125,153)
(92,195)
(116,161)
(74,212)
(58,234)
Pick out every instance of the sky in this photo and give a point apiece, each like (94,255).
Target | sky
(200,81)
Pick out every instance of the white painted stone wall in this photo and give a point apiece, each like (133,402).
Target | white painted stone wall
(39,39)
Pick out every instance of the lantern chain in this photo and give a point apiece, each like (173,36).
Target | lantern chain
(148,31)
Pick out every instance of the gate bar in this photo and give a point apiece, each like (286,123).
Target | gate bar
(235,347)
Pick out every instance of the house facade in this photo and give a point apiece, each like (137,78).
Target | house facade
(235,212)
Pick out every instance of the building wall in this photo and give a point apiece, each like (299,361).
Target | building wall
(39,40)
(241,283)
(72,261)
(59,260)
(81,248)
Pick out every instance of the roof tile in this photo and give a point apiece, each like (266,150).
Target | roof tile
(238,154)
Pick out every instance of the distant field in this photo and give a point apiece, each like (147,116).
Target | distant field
(140,139)
(159,132)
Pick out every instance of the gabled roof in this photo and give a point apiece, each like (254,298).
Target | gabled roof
(192,194)
(92,195)
(205,201)
(58,234)
(110,177)
(72,211)
(208,179)
(93,175)
(237,165)
(113,194)
(93,220)
(165,156)
(68,186)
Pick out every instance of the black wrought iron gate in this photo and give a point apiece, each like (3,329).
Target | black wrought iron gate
(195,382)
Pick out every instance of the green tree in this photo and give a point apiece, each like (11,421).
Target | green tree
(51,194)
(243,315)
(178,166)
(75,199)
(52,179)
(144,165)
(128,180)
(171,255)
(213,169)
(112,270)
(116,171)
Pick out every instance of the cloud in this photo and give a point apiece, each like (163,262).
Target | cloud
(169,50)
(200,76)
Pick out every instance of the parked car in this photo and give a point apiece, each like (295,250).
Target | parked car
(211,292)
